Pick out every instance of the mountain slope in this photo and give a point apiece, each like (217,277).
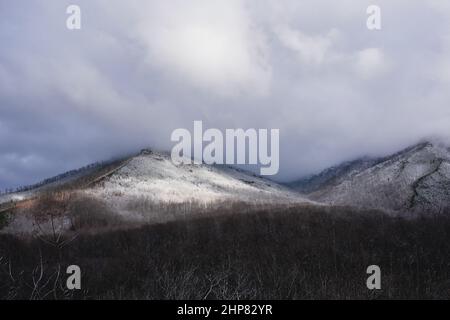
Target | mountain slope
(74,179)
(147,187)
(415,178)
(332,175)
(153,177)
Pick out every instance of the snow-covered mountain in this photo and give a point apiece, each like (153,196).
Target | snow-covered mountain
(154,177)
(417,178)
(150,187)
(147,187)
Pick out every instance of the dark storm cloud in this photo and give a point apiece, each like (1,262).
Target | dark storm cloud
(139,69)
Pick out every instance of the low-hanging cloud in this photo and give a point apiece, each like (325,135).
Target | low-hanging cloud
(137,70)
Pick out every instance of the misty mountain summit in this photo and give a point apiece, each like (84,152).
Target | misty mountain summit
(144,188)
(417,178)
(149,187)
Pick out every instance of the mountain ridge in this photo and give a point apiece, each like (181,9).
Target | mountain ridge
(415,178)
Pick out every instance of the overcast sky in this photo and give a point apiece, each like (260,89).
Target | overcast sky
(137,70)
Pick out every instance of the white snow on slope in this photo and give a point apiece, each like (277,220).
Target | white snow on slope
(44,186)
(155,178)
(416,178)
(150,188)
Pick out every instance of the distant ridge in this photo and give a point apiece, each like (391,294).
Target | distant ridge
(417,177)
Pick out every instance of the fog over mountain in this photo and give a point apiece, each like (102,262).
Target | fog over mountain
(137,70)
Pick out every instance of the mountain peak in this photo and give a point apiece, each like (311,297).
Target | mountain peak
(152,178)
(417,177)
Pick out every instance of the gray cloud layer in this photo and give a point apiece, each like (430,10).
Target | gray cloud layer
(139,69)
